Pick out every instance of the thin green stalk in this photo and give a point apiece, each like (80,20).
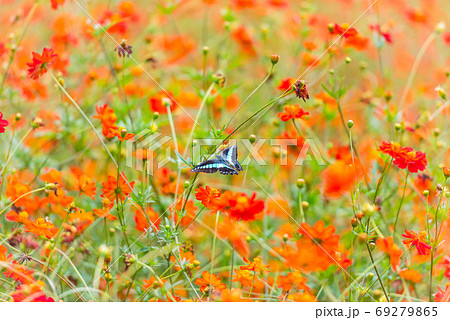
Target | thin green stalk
(400,205)
(434,243)
(15,149)
(250,95)
(213,251)
(56,240)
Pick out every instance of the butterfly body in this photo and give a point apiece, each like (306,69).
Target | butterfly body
(225,162)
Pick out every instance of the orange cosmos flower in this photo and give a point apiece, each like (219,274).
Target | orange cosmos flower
(105,211)
(210,283)
(418,240)
(256,266)
(153,282)
(111,190)
(446,171)
(121,134)
(320,234)
(40,63)
(3,252)
(19,272)
(292,280)
(302,297)
(410,275)
(244,40)
(233,295)
(245,277)
(52,176)
(292,112)
(108,119)
(387,245)
(207,196)
(41,227)
(142,219)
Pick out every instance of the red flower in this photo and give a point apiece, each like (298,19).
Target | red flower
(41,62)
(292,112)
(208,196)
(441,295)
(405,157)
(382,32)
(239,206)
(286,84)
(417,240)
(394,149)
(3,123)
(31,293)
(56,3)
(413,160)
(108,119)
(345,30)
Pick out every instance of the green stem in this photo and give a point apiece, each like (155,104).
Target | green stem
(400,205)
(213,251)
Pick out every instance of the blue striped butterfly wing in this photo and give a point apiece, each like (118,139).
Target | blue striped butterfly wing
(230,155)
(214,165)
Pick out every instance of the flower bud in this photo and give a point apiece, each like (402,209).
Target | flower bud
(440,27)
(18,116)
(219,79)
(205,50)
(252,138)
(187,184)
(377,294)
(155,115)
(360,215)
(436,132)
(370,276)
(37,122)
(354,222)
(330,27)
(305,205)
(285,237)
(300,183)
(426,193)
(388,96)
(398,126)
(441,92)
(166,102)
(274,59)
(348,60)
(350,124)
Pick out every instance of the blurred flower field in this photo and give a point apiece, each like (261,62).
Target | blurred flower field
(338,111)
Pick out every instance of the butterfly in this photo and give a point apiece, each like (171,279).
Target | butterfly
(226,162)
